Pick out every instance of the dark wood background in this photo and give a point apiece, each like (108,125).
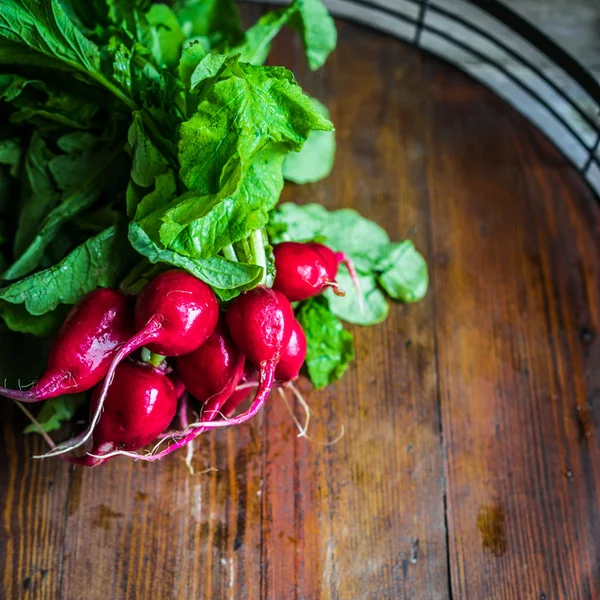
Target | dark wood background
(470,465)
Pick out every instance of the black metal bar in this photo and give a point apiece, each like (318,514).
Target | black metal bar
(511,76)
(489,60)
(392,13)
(506,48)
(543,43)
(420,21)
(592,157)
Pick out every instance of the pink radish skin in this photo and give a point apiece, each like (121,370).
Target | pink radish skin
(292,359)
(212,372)
(260,322)
(306,270)
(83,348)
(333,260)
(177,384)
(301,271)
(175,314)
(139,406)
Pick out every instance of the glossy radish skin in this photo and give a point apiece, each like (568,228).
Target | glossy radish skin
(186,309)
(139,406)
(84,346)
(175,314)
(332,259)
(212,372)
(304,270)
(261,322)
(293,357)
(301,271)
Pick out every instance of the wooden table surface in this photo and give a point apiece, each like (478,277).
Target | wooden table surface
(470,465)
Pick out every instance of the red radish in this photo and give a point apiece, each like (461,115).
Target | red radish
(140,404)
(212,372)
(305,270)
(293,356)
(175,314)
(332,259)
(82,351)
(177,384)
(260,322)
(191,432)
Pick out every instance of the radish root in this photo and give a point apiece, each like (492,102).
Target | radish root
(303,428)
(195,429)
(34,421)
(150,332)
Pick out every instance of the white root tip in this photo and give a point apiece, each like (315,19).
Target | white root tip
(303,428)
(189,454)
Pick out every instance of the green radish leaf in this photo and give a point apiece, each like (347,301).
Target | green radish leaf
(165,188)
(81,178)
(292,222)
(10,154)
(257,46)
(56,412)
(372,311)
(200,226)
(217,21)
(245,113)
(403,272)
(330,347)
(169,34)
(309,17)
(317,30)
(147,161)
(191,57)
(210,66)
(227,278)
(17,318)
(39,194)
(40,33)
(101,261)
(315,161)
(47,106)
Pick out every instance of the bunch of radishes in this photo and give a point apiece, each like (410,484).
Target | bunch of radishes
(220,354)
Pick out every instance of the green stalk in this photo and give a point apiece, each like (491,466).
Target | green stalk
(156,359)
(151,358)
(259,256)
(130,103)
(109,85)
(229,253)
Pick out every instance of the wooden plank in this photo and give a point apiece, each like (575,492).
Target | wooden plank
(33,498)
(517,274)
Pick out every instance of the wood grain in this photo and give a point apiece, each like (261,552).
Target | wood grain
(469,464)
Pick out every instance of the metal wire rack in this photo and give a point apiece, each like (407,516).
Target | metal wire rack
(506,53)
